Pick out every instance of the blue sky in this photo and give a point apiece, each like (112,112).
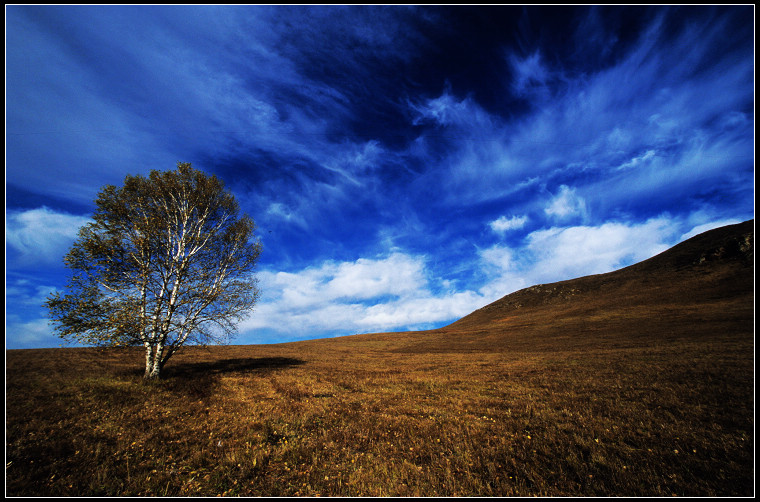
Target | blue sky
(404,165)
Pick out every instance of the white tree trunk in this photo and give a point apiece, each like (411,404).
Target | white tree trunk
(148,360)
(153,361)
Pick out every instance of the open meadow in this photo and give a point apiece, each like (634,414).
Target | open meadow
(613,385)
(362,417)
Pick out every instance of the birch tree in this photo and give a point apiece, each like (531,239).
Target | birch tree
(168,260)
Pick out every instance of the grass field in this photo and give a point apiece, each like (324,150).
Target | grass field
(358,418)
(630,396)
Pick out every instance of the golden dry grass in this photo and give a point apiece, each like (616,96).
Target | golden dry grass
(355,417)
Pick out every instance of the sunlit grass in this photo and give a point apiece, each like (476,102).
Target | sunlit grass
(305,420)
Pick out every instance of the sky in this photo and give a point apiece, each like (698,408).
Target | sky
(405,165)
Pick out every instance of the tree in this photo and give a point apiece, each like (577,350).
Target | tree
(167,260)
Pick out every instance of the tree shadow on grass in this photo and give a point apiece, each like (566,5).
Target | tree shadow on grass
(235,365)
(201,379)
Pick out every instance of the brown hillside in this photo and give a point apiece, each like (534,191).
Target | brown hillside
(700,285)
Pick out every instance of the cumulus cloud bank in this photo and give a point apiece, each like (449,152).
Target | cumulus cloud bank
(394,293)
(359,296)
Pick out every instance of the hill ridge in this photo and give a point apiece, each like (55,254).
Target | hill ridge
(715,261)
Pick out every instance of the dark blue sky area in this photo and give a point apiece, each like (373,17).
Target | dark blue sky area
(405,165)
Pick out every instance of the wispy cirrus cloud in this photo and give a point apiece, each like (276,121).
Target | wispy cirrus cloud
(171,96)
(40,237)
(633,127)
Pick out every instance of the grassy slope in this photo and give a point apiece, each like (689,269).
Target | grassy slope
(638,382)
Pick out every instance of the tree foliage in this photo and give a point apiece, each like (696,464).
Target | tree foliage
(167,260)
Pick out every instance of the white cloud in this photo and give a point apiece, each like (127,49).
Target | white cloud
(566,204)
(505,269)
(567,253)
(366,295)
(41,236)
(503,224)
(561,253)
(396,275)
(421,311)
